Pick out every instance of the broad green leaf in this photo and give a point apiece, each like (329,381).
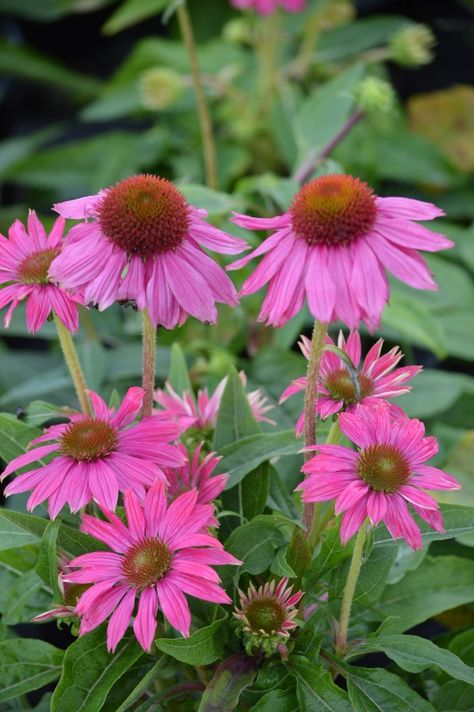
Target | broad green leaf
(255,544)
(437,585)
(405,319)
(141,675)
(230,679)
(459,463)
(280,565)
(235,420)
(39,412)
(316,690)
(330,554)
(216,203)
(15,437)
(26,665)
(376,690)
(28,597)
(458,520)
(46,383)
(132,11)
(278,701)
(463,646)
(372,578)
(415,654)
(13,536)
(47,566)
(349,39)
(203,647)
(89,671)
(178,374)
(454,696)
(15,149)
(459,328)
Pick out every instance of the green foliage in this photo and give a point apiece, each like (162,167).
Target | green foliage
(26,665)
(203,647)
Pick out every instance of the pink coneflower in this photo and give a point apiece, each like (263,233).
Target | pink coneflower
(161,555)
(266,7)
(267,615)
(202,413)
(141,242)
(379,480)
(98,457)
(378,378)
(196,473)
(25,258)
(333,247)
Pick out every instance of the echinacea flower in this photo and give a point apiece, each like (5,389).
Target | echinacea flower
(160,555)
(266,7)
(382,478)
(97,456)
(141,242)
(196,473)
(378,378)
(25,257)
(267,615)
(202,412)
(333,247)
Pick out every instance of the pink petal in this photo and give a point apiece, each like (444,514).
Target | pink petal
(174,606)
(144,625)
(120,620)
(135,516)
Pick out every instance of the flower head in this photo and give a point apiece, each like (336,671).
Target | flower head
(202,412)
(98,456)
(160,555)
(25,258)
(266,7)
(267,615)
(196,473)
(378,378)
(141,242)
(382,477)
(333,246)
(412,46)
(160,87)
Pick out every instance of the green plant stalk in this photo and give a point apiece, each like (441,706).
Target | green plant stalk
(324,516)
(205,122)
(310,401)
(268,54)
(74,366)
(349,589)
(149,362)
(310,38)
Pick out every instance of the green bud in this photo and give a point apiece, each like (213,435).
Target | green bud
(412,46)
(237,31)
(160,88)
(374,96)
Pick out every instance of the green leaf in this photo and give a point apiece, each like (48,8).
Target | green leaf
(255,544)
(463,646)
(203,647)
(454,696)
(376,690)
(372,578)
(458,520)
(437,585)
(331,553)
(15,437)
(15,149)
(315,688)
(325,112)
(27,597)
(39,412)
(434,392)
(47,566)
(405,319)
(178,374)
(89,671)
(278,701)
(26,665)
(235,419)
(217,204)
(132,11)
(145,674)
(245,455)
(230,679)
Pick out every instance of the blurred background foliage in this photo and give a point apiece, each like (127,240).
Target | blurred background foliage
(95,90)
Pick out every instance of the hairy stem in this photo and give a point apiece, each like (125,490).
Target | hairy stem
(207,134)
(72,362)
(149,362)
(352,577)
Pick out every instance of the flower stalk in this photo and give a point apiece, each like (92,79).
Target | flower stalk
(268,53)
(349,590)
(205,122)
(149,362)
(72,361)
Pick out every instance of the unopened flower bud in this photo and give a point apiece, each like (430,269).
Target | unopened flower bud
(412,46)
(374,96)
(160,88)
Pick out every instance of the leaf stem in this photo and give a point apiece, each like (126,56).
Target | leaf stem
(74,366)
(207,134)
(349,589)
(149,362)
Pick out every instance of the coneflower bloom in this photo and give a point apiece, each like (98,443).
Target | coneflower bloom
(97,457)
(382,478)
(141,242)
(378,378)
(202,412)
(160,555)
(196,473)
(266,7)
(267,615)
(25,258)
(333,247)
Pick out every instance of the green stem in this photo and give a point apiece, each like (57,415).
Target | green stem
(268,53)
(321,518)
(149,362)
(335,433)
(207,134)
(352,577)
(72,362)
(311,35)
(310,402)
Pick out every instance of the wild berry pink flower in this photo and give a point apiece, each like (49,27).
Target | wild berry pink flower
(267,615)
(160,555)
(97,457)
(144,228)
(202,413)
(380,479)
(196,473)
(378,378)
(266,7)
(333,247)
(25,258)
